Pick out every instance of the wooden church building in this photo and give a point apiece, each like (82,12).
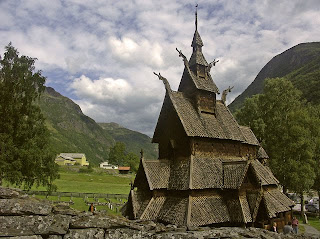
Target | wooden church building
(209,170)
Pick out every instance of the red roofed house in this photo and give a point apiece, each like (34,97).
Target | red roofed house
(124,170)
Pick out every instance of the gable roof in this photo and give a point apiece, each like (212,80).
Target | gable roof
(233,174)
(249,135)
(275,202)
(124,168)
(72,155)
(157,173)
(221,125)
(262,154)
(263,174)
(201,83)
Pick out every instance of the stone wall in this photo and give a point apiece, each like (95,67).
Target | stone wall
(24,217)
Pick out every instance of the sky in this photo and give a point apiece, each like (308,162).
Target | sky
(102,53)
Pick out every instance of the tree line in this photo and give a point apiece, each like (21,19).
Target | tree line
(288,128)
(118,155)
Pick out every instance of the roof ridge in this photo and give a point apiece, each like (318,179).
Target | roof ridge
(147,175)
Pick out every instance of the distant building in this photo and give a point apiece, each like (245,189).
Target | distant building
(106,165)
(124,170)
(71,159)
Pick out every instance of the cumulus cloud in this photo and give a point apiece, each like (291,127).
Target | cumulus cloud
(116,100)
(102,53)
(136,52)
(104,89)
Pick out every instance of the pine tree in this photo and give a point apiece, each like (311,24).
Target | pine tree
(24,155)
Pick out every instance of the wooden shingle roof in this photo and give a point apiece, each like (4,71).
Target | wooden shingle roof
(222,125)
(249,135)
(233,174)
(234,208)
(254,198)
(153,209)
(196,41)
(174,210)
(263,174)
(262,154)
(247,216)
(157,173)
(207,173)
(197,58)
(179,175)
(208,209)
(276,202)
(139,202)
(201,83)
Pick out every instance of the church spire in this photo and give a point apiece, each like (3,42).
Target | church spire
(196,42)
(196,21)
(197,58)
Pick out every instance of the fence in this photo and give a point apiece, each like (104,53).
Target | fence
(79,195)
(113,206)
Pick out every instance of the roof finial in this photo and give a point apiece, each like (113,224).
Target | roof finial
(165,81)
(224,94)
(196,22)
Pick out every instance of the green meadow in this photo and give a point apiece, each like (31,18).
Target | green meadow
(98,181)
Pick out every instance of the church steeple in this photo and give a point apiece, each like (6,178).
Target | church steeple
(197,60)
(196,41)
(196,21)
(196,74)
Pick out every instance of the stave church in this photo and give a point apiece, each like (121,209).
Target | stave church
(210,170)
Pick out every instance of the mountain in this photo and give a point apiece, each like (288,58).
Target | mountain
(132,139)
(300,64)
(71,131)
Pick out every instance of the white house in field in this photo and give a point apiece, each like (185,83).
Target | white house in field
(106,165)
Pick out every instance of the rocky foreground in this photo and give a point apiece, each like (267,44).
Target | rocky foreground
(26,217)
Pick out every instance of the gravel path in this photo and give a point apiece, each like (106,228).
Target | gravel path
(311,231)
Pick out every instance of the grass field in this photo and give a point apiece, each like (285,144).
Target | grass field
(99,181)
(80,204)
(315,222)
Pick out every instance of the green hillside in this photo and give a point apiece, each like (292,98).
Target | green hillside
(73,132)
(300,64)
(132,139)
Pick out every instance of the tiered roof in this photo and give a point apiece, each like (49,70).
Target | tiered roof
(215,206)
(206,173)
(202,189)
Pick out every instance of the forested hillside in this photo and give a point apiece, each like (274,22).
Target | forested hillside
(72,131)
(132,139)
(300,64)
